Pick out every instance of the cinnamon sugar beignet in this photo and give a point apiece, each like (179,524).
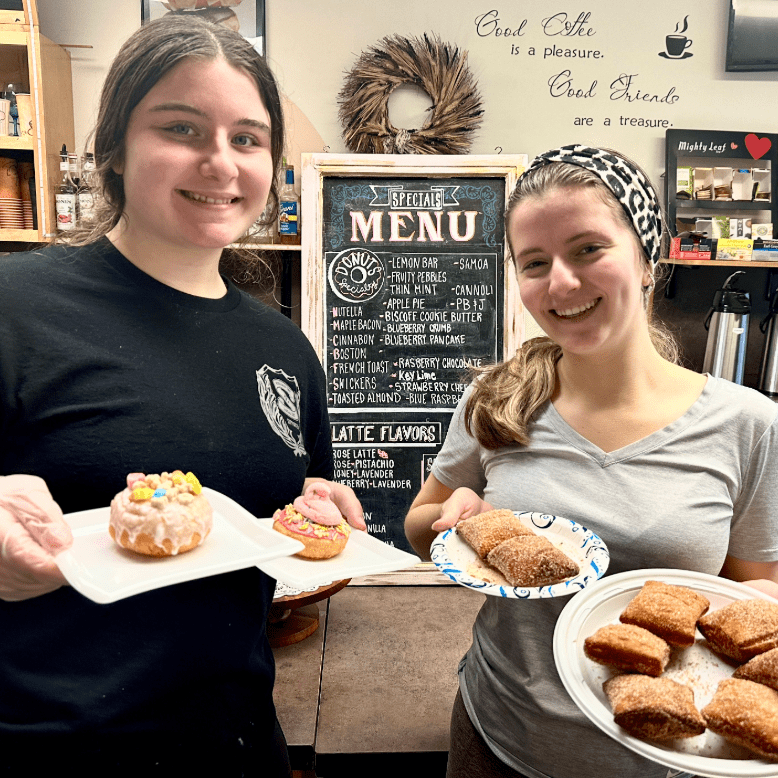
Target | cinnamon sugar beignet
(745,713)
(742,629)
(486,530)
(653,708)
(671,612)
(531,560)
(763,668)
(629,648)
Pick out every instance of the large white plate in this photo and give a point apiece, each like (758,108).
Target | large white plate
(705,755)
(103,571)
(363,555)
(453,556)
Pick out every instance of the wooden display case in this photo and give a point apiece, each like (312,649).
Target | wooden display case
(37,65)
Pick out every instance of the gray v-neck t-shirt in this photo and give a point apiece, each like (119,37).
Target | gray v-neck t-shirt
(684,497)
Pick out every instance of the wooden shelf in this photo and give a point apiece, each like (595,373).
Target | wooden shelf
(13,34)
(20,236)
(14,143)
(723,205)
(270,246)
(718,263)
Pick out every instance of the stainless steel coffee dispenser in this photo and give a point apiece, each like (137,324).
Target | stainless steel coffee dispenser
(727,325)
(768,374)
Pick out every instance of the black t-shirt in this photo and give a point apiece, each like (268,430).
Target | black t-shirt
(105,371)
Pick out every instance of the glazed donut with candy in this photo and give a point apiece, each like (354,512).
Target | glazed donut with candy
(160,514)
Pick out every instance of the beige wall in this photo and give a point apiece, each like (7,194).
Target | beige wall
(101,24)
(313,44)
(104,25)
(521,114)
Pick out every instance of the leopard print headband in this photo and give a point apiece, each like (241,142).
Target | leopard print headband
(628,184)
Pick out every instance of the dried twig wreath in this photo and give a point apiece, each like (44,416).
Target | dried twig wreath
(436,67)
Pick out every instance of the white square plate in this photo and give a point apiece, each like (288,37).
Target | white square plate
(103,571)
(363,555)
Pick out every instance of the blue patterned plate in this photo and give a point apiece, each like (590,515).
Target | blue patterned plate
(458,561)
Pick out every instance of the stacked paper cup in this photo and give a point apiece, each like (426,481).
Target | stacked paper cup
(26,172)
(11,210)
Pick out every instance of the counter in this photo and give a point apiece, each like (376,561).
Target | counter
(373,687)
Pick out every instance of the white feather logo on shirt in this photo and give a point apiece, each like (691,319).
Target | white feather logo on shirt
(279,396)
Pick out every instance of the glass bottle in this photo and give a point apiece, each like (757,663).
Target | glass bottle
(65,197)
(86,194)
(9,93)
(74,178)
(264,231)
(288,210)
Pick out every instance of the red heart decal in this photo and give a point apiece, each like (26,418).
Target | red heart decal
(733,145)
(757,147)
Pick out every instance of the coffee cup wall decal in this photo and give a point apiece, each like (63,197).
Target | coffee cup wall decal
(677,42)
(757,147)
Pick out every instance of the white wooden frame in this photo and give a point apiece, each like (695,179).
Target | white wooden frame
(316,166)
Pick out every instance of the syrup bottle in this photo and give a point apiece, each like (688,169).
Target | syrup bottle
(288,209)
(65,197)
(86,195)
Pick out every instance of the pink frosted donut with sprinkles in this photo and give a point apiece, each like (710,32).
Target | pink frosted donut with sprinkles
(161,514)
(316,522)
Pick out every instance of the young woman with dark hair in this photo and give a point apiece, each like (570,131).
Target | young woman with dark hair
(127,351)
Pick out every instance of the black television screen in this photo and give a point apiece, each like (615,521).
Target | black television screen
(752,42)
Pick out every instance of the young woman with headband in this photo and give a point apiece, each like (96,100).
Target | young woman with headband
(599,423)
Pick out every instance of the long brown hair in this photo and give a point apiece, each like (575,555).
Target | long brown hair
(506,396)
(145,58)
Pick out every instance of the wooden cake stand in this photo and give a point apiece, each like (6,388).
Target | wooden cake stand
(294,617)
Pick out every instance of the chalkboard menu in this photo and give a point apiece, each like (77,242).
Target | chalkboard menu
(407,279)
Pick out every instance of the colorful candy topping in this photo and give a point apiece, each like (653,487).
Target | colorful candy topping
(191,478)
(166,487)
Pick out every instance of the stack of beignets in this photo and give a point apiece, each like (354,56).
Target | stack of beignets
(524,558)
(643,704)
(487,530)
(744,709)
